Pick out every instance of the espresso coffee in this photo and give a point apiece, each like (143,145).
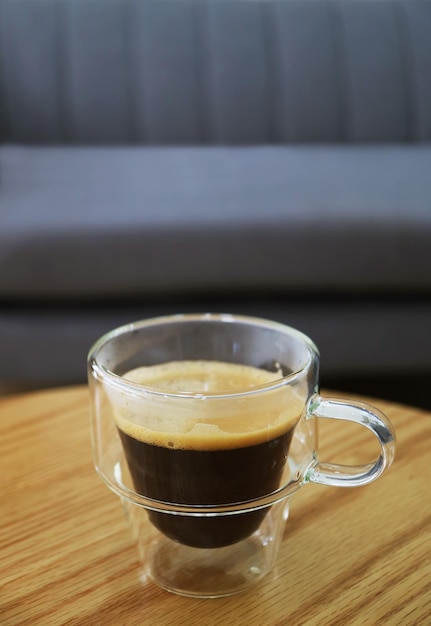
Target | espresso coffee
(206,459)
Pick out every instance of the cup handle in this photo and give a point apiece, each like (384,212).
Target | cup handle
(365,415)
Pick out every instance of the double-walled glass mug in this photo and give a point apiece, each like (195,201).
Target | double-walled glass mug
(205,426)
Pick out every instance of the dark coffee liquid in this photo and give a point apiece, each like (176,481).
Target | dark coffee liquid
(206,477)
(207,454)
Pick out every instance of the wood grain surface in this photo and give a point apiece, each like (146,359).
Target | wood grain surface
(349,556)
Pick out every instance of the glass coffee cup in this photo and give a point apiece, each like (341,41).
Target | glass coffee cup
(205,426)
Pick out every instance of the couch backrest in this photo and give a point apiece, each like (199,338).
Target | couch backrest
(215,71)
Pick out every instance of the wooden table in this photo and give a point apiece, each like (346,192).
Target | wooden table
(349,556)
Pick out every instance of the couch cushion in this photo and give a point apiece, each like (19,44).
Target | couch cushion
(137,221)
(145,71)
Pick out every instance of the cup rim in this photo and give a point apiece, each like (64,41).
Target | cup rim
(103,373)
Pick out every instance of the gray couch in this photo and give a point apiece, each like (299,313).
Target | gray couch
(255,156)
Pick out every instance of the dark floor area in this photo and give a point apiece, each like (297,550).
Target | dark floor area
(412,389)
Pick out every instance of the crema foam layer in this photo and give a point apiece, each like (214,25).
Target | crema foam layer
(206,423)
(203,377)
